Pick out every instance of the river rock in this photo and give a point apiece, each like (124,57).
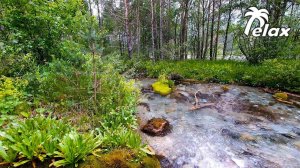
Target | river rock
(247,137)
(180,96)
(297,144)
(176,78)
(157,127)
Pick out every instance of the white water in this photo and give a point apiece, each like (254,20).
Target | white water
(233,133)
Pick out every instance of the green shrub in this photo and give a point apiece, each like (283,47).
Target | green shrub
(117,99)
(16,64)
(12,95)
(60,85)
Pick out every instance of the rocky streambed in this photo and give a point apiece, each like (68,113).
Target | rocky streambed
(240,127)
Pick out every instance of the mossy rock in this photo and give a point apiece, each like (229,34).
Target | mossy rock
(119,158)
(150,162)
(161,88)
(281,96)
(225,88)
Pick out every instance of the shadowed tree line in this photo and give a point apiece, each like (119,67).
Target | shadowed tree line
(195,29)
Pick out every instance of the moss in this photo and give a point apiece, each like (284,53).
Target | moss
(281,96)
(150,162)
(161,88)
(119,158)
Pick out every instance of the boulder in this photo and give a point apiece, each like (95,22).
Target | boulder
(157,127)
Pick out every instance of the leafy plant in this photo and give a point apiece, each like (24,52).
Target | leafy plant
(117,99)
(121,137)
(75,147)
(34,138)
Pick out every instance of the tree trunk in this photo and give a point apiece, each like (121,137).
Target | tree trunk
(227,29)
(152,28)
(183,32)
(175,37)
(99,4)
(212,32)
(207,32)
(198,33)
(121,44)
(138,28)
(128,35)
(217,32)
(203,30)
(160,28)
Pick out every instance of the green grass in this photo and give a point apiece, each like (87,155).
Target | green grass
(278,74)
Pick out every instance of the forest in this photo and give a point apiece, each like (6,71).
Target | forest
(149,83)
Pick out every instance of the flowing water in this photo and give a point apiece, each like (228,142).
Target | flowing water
(245,127)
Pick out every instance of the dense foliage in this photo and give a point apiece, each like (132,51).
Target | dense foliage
(51,69)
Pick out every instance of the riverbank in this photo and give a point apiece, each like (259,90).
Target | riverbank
(277,74)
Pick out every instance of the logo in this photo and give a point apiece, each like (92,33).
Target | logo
(263,29)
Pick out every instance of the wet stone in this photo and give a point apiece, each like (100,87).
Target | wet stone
(176,78)
(227,132)
(157,127)
(247,137)
(180,96)
(297,144)
(147,89)
(146,105)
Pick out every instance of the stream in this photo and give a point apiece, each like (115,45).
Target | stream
(245,127)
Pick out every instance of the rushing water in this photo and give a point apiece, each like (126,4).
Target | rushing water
(245,127)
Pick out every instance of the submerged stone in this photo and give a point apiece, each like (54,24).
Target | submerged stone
(180,96)
(247,137)
(157,127)
(297,144)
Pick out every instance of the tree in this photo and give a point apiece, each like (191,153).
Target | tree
(212,31)
(184,28)
(152,28)
(218,29)
(161,27)
(227,28)
(127,31)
